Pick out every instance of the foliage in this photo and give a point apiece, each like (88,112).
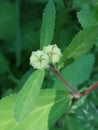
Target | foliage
(24,98)
(74,73)
(51,104)
(79,47)
(48,23)
(36,99)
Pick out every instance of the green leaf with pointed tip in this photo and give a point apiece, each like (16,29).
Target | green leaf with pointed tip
(86,17)
(27,96)
(81,44)
(51,104)
(76,73)
(48,24)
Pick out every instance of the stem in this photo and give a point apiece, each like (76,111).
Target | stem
(89,89)
(63,80)
(76,95)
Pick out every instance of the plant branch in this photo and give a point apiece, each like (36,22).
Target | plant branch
(77,95)
(89,89)
(63,80)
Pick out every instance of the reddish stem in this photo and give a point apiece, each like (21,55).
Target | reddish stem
(75,94)
(63,80)
(89,89)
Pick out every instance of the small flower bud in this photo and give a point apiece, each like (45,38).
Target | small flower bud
(39,60)
(54,53)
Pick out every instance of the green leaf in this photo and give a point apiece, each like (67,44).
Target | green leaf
(73,123)
(27,96)
(4,67)
(77,72)
(86,17)
(69,123)
(24,78)
(7,19)
(81,44)
(48,24)
(51,104)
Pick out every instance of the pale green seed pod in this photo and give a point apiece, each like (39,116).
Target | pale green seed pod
(54,53)
(39,60)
